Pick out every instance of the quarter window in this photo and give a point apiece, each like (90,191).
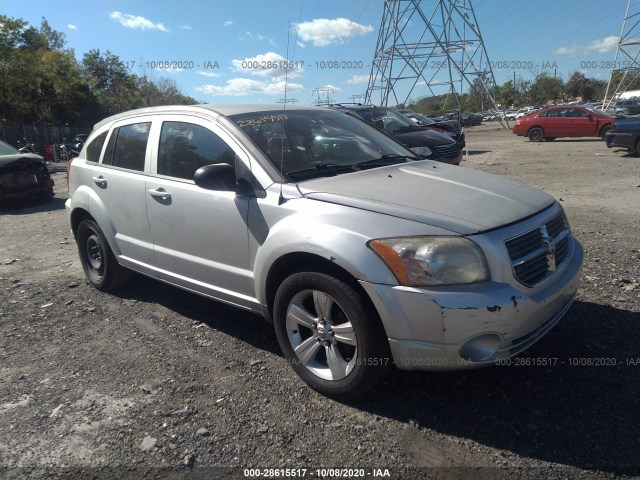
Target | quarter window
(185,147)
(127,146)
(94,149)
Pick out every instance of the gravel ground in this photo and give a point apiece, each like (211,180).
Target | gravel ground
(155,382)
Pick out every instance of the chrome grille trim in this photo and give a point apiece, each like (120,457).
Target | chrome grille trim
(537,254)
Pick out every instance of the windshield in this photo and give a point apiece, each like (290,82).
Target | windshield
(385,119)
(313,143)
(598,111)
(6,149)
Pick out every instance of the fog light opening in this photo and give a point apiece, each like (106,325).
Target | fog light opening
(480,349)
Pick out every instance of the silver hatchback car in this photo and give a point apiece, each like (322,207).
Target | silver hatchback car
(363,255)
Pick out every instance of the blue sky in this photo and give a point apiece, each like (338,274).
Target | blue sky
(216,44)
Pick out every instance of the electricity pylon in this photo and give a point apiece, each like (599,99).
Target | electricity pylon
(626,68)
(429,47)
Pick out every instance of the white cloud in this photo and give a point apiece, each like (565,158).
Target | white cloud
(324,31)
(134,21)
(228,23)
(71,26)
(208,74)
(240,87)
(258,37)
(268,64)
(570,51)
(186,26)
(169,70)
(330,87)
(604,45)
(358,79)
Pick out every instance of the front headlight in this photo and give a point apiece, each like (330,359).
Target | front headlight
(422,151)
(432,261)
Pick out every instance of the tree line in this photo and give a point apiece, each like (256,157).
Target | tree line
(42,82)
(543,89)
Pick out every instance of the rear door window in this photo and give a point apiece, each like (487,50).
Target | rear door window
(127,146)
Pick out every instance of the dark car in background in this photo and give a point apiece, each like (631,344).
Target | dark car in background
(422,141)
(23,175)
(625,133)
(563,121)
(627,106)
(471,119)
(451,128)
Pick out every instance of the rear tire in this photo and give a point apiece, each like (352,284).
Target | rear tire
(329,335)
(536,134)
(98,262)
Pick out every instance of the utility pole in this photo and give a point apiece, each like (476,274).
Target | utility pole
(327,91)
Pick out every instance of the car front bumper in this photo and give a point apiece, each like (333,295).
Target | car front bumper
(462,327)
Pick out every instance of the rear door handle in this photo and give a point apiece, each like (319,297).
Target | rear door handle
(100,181)
(159,193)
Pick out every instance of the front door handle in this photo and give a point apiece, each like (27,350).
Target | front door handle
(159,193)
(100,181)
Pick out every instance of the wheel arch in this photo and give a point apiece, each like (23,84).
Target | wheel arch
(535,126)
(295,262)
(77,216)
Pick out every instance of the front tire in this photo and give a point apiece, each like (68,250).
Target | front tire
(98,262)
(333,341)
(603,132)
(536,134)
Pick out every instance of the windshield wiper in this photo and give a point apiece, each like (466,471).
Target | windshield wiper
(409,128)
(384,160)
(320,170)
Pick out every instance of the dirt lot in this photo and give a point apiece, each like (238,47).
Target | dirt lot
(155,382)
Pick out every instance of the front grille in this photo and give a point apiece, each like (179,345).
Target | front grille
(537,254)
(447,150)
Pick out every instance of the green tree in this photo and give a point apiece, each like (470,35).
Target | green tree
(506,95)
(545,88)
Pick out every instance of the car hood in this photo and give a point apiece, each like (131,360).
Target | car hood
(458,199)
(422,138)
(20,160)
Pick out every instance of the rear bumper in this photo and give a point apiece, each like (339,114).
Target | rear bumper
(620,140)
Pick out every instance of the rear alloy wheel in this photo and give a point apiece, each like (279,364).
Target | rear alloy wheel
(329,336)
(98,262)
(603,132)
(536,134)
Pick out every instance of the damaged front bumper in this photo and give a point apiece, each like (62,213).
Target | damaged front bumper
(461,327)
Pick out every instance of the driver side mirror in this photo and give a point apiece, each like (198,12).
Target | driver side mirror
(217,176)
(222,177)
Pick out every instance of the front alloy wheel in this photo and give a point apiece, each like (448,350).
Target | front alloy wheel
(329,334)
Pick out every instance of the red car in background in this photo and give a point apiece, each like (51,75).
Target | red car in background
(563,121)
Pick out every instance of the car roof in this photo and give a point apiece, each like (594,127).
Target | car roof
(222,109)
(359,106)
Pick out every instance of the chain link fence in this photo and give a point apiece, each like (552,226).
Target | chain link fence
(44,138)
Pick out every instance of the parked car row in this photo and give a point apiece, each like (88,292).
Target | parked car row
(431,142)
(363,254)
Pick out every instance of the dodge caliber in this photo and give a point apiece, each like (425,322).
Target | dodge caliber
(364,256)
